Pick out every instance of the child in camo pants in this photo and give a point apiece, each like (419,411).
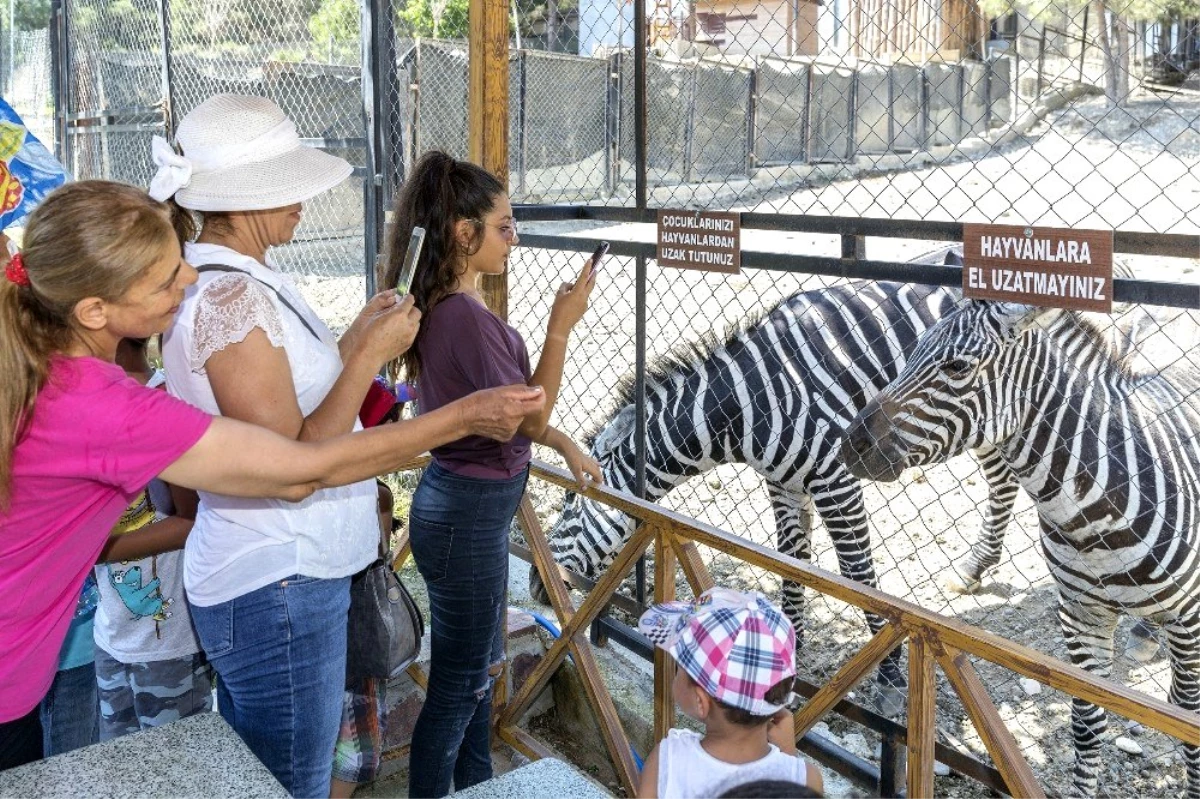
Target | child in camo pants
(149,666)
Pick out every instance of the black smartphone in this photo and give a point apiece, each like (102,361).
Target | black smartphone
(597,257)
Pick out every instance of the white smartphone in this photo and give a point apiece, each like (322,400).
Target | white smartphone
(409,268)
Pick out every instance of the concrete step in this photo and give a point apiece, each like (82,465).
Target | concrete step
(548,777)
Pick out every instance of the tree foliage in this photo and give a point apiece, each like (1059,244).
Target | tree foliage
(30,15)
(335,27)
(441,19)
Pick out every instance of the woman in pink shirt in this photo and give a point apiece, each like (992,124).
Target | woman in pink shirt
(78,438)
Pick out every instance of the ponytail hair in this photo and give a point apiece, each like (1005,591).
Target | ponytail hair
(93,238)
(183,222)
(439,193)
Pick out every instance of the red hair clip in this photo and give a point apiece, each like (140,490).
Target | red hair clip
(15,271)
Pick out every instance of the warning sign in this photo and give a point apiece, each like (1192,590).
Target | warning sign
(708,240)
(1060,268)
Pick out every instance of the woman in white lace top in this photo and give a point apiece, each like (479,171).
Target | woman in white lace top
(268,581)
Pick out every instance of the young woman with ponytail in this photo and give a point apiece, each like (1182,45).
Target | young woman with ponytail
(466,500)
(78,439)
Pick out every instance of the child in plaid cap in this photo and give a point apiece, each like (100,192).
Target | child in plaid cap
(736,654)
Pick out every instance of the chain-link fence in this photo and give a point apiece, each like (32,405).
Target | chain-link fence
(742,429)
(136,71)
(26,77)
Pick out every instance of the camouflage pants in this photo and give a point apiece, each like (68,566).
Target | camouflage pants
(136,696)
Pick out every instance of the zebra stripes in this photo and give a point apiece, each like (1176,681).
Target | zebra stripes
(775,395)
(1107,448)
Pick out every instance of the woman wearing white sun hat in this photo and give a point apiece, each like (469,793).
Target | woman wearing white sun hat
(268,581)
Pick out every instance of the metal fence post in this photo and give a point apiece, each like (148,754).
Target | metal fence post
(372,105)
(689,129)
(67,86)
(57,34)
(414,92)
(988,75)
(891,112)
(391,142)
(612,123)
(1083,40)
(641,153)
(751,119)
(168,111)
(807,123)
(923,111)
(1041,62)
(522,121)
(852,147)
(961,83)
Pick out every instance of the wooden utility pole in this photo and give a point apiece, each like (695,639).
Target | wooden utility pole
(487,111)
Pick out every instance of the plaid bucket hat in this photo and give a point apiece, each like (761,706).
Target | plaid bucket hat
(736,645)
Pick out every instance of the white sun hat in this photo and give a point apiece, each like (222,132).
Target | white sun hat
(241,153)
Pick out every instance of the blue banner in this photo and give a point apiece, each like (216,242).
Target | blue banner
(28,171)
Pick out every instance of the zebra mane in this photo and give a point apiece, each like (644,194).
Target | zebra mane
(683,357)
(1138,342)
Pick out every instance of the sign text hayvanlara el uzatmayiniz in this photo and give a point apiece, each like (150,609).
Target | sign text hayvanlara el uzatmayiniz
(1040,266)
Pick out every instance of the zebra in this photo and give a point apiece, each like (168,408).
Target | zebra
(775,394)
(1107,449)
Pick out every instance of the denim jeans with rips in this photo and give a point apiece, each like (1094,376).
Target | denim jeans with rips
(459,532)
(280,657)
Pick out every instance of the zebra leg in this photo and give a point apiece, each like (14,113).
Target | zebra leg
(1088,630)
(985,552)
(839,501)
(793,536)
(1183,640)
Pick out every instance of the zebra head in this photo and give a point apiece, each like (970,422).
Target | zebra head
(589,534)
(957,392)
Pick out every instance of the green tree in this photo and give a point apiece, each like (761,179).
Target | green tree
(335,30)
(29,15)
(441,19)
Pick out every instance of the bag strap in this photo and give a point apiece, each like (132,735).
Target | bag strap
(278,293)
(385,549)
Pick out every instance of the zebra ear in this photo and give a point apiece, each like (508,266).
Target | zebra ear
(1017,317)
(617,430)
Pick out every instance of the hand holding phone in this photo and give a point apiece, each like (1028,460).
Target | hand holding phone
(411,256)
(597,257)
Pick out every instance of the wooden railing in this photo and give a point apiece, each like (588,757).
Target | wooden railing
(933,640)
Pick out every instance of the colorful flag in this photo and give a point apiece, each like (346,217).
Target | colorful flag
(28,172)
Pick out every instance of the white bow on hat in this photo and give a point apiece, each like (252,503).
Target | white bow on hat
(174,170)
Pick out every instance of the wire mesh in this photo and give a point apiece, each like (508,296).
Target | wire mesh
(27,77)
(921,529)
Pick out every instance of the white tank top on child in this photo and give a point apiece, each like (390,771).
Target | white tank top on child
(686,771)
(239,545)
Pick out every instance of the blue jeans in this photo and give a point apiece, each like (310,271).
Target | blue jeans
(70,712)
(280,657)
(459,532)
